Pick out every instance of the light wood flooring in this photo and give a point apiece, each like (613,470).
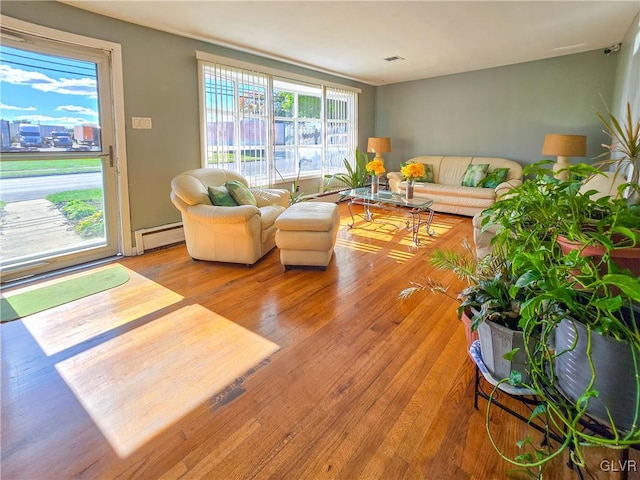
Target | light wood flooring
(203,370)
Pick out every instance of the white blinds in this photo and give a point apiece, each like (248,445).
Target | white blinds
(341,120)
(237,121)
(239,124)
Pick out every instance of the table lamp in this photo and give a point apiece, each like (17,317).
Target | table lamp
(564,146)
(379,145)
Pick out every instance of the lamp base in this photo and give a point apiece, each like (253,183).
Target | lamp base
(561,164)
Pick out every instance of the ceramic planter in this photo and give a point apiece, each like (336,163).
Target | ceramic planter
(615,378)
(470,334)
(495,342)
(622,257)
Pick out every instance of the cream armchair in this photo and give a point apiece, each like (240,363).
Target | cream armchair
(238,234)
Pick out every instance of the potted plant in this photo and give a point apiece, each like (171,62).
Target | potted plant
(295,195)
(488,311)
(581,308)
(568,213)
(356,175)
(624,147)
(586,364)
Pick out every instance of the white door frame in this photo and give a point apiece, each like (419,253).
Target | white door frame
(124,240)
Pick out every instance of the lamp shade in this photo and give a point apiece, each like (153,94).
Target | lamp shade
(565,145)
(379,144)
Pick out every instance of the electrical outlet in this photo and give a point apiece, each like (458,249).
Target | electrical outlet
(143,123)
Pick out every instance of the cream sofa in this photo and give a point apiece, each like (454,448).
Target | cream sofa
(238,234)
(447,192)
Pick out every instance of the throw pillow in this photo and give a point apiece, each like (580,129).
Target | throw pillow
(240,193)
(428,174)
(221,197)
(495,178)
(474,174)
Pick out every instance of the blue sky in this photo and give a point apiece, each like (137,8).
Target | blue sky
(46,89)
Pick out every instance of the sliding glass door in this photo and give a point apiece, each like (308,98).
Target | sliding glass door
(58,197)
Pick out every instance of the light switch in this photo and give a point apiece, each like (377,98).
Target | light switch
(143,123)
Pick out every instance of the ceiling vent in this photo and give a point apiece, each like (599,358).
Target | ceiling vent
(394,58)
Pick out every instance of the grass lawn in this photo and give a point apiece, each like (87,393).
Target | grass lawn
(34,168)
(89,195)
(84,209)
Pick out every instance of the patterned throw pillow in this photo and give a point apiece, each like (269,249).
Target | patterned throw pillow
(474,174)
(428,174)
(221,197)
(240,193)
(495,178)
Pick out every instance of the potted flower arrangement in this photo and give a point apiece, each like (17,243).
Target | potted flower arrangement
(375,168)
(411,171)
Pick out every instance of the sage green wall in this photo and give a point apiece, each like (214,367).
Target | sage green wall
(161,82)
(500,112)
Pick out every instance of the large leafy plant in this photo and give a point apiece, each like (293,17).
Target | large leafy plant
(356,174)
(553,286)
(544,207)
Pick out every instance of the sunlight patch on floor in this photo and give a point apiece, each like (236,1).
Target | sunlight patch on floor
(70,326)
(355,245)
(401,256)
(176,363)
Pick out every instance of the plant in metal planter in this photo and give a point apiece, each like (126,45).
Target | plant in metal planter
(616,402)
(597,340)
(486,307)
(495,315)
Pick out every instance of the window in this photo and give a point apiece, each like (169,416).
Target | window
(298,137)
(265,126)
(236,120)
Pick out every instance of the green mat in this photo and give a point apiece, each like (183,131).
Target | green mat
(34,301)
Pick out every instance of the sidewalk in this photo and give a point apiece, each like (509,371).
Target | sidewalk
(34,226)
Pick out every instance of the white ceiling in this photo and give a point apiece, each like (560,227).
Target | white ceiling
(352,38)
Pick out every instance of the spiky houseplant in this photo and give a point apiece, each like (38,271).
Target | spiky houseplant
(356,175)
(624,147)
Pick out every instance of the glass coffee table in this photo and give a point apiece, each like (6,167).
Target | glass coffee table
(419,208)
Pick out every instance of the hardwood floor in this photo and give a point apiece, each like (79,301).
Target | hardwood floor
(202,370)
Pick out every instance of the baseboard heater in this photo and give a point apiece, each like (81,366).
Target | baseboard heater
(155,237)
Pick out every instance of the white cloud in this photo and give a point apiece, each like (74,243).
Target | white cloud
(77,109)
(20,77)
(67,122)
(67,86)
(4,106)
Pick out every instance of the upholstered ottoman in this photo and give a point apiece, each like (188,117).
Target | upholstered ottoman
(306,234)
